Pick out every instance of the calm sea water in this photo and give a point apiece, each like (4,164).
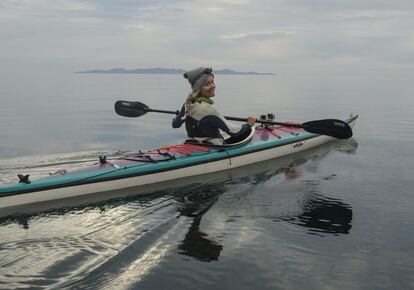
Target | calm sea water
(338,217)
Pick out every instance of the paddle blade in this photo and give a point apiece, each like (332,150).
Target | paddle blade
(330,127)
(130,109)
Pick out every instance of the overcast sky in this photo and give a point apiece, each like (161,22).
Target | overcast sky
(261,35)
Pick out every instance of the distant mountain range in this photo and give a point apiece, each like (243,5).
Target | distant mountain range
(164,71)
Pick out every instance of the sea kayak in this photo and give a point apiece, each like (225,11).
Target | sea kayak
(153,170)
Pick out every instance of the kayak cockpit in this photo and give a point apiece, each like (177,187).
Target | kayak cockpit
(229,141)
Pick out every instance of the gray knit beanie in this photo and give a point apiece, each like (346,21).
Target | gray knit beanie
(197,77)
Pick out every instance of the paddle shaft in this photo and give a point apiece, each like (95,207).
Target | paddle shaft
(232,118)
(161,111)
(265,122)
(330,127)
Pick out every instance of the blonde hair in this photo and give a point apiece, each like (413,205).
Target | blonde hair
(192,96)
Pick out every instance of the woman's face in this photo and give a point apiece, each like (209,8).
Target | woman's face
(209,88)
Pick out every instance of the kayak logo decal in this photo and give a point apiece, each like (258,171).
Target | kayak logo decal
(298,144)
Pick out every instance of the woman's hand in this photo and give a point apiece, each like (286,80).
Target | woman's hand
(251,120)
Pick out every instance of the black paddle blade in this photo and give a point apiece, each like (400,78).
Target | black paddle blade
(130,109)
(330,127)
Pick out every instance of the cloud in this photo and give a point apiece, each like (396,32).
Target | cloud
(265,35)
(258,35)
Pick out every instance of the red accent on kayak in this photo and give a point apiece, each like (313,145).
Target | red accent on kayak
(267,131)
(290,130)
(185,149)
(273,132)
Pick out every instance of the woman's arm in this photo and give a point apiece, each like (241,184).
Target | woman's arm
(215,119)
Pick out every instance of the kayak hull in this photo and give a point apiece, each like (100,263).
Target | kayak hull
(152,177)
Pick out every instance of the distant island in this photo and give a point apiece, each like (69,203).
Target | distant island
(164,71)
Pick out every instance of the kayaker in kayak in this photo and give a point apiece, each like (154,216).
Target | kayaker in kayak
(203,121)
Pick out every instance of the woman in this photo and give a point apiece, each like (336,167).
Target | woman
(203,121)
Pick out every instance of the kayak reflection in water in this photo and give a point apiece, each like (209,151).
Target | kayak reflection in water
(203,121)
(320,214)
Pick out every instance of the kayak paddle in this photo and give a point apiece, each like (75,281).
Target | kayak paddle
(329,127)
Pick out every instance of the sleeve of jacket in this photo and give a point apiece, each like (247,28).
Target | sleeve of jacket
(223,124)
(179,119)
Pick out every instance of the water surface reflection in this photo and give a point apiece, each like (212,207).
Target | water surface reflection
(119,243)
(318,213)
